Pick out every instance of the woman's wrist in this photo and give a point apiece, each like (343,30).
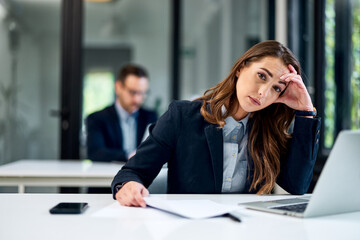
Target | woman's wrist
(306,113)
(308,107)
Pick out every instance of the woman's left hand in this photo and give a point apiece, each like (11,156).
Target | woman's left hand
(296,95)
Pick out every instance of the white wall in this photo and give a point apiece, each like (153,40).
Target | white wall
(152,51)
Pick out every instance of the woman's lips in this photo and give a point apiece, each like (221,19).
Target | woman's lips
(255,101)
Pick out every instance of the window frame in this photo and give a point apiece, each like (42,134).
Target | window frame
(342,67)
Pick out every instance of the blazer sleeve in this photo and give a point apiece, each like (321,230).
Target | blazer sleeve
(96,147)
(154,152)
(297,167)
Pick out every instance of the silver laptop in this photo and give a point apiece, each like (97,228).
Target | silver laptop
(337,190)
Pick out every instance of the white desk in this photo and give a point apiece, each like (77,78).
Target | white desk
(26,216)
(64,173)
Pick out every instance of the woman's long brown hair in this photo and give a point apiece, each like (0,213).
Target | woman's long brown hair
(269,138)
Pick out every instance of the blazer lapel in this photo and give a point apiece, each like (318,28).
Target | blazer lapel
(141,126)
(214,139)
(115,123)
(250,161)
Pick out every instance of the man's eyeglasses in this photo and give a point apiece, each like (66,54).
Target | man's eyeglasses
(133,93)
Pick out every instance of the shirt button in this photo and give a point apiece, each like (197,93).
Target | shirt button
(228,179)
(233,154)
(234,137)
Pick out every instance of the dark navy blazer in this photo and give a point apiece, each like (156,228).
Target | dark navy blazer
(104,136)
(193,149)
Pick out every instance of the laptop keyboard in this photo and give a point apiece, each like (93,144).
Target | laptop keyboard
(293,208)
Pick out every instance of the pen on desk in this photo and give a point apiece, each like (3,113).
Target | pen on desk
(234,216)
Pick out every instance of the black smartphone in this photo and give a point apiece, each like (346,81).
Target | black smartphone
(69,208)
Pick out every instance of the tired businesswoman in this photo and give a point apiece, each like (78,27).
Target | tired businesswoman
(235,138)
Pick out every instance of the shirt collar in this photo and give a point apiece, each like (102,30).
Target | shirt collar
(231,123)
(122,113)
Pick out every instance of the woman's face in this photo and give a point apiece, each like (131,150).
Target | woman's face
(259,83)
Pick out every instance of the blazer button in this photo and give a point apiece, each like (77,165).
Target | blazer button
(317,141)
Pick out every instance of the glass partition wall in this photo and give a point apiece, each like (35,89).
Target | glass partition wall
(30,79)
(129,31)
(214,35)
(121,32)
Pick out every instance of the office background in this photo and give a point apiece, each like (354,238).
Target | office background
(59,59)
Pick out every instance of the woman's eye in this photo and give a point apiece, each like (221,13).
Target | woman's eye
(262,76)
(277,89)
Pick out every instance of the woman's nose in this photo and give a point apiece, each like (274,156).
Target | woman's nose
(263,91)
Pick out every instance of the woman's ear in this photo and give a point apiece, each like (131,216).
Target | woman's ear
(237,74)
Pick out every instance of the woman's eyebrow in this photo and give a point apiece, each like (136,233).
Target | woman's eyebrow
(268,72)
(282,82)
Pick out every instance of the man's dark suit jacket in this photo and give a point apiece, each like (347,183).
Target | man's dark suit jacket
(104,136)
(193,149)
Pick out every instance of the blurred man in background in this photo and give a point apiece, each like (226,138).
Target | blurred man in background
(114,133)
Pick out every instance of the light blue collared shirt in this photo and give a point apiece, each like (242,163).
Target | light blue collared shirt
(128,124)
(235,137)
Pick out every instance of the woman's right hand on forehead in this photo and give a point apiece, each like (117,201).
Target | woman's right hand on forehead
(132,194)
(296,95)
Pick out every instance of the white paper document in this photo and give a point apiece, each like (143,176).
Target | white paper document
(115,210)
(193,209)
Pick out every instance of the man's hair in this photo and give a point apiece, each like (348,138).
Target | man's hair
(131,69)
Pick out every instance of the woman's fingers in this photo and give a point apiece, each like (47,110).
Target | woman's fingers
(297,80)
(145,192)
(292,69)
(291,77)
(131,194)
(138,199)
(296,95)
